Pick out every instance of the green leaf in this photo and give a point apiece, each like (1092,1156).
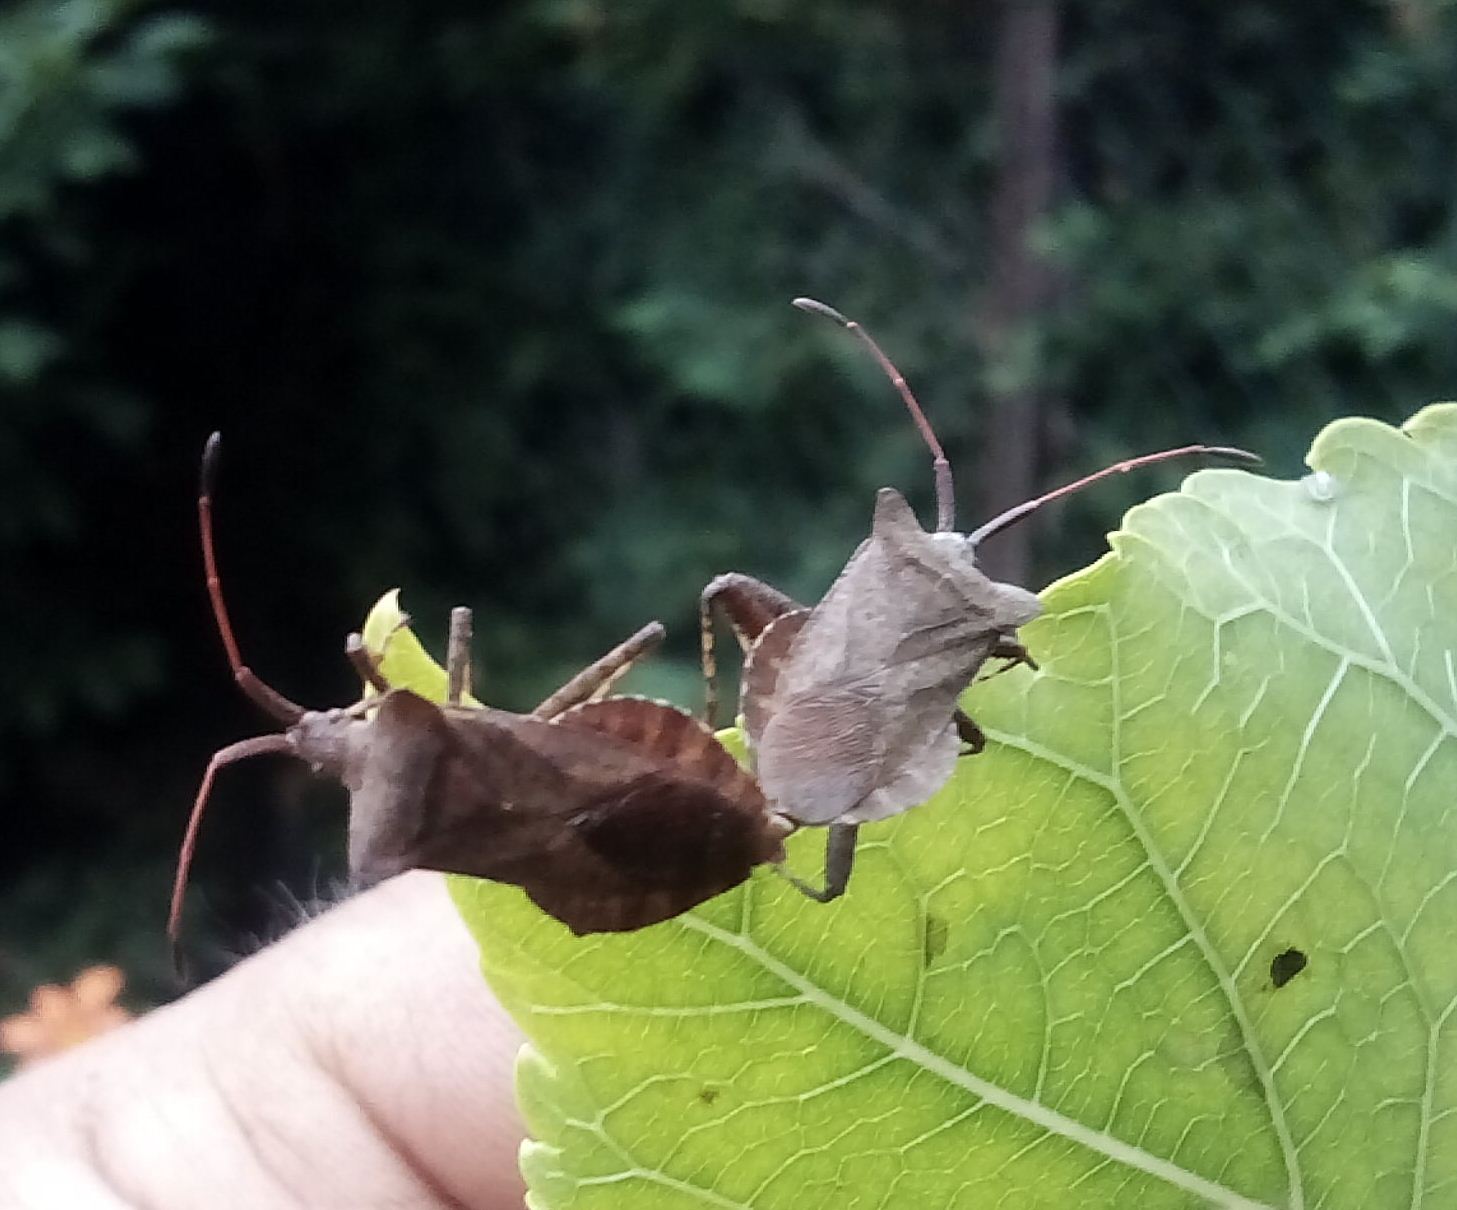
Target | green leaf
(1068,980)
(403,660)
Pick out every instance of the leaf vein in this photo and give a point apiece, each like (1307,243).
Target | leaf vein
(1050,1120)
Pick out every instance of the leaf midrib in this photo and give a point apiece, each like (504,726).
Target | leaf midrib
(908,1048)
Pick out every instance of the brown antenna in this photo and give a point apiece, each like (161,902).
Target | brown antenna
(265,696)
(945,490)
(1017,512)
(257,746)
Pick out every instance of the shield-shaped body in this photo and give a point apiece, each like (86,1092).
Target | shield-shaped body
(849,706)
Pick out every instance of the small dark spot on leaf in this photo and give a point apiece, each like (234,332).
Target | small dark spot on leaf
(1285,965)
(708,1095)
(936,934)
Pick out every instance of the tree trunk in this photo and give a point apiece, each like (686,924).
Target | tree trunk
(1020,284)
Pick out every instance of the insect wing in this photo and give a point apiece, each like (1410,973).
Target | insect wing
(924,766)
(675,741)
(693,827)
(618,814)
(758,693)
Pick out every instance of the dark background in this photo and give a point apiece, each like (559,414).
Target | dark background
(490,303)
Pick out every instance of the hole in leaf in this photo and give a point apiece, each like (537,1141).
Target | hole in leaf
(1285,965)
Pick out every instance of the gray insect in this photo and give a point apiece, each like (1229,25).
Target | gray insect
(850,707)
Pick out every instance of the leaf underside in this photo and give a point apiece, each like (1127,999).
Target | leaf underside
(1066,980)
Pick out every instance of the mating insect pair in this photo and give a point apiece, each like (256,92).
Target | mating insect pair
(614,813)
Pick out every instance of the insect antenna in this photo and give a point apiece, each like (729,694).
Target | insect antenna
(265,696)
(242,750)
(945,489)
(1017,512)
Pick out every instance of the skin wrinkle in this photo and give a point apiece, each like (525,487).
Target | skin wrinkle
(88,1130)
(245,1128)
(77,1120)
(365,1045)
(454,1015)
(106,1170)
(251,1030)
(322,1045)
(170,1109)
(104,1187)
(405,1154)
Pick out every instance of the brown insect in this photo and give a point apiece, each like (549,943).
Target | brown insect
(850,707)
(611,813)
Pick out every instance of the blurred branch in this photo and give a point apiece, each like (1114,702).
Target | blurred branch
(808,157)
(1019,287)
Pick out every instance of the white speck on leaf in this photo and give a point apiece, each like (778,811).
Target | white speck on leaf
(1321,486)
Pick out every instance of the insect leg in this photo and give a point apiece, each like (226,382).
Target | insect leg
(598,676)
(749,605)
(1011,651)
(970,734)
(839,861)
(364,663)
(1005,648)
(1008,648)
(457,656)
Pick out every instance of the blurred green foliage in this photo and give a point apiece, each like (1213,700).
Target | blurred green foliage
(490,303)
(68,74)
